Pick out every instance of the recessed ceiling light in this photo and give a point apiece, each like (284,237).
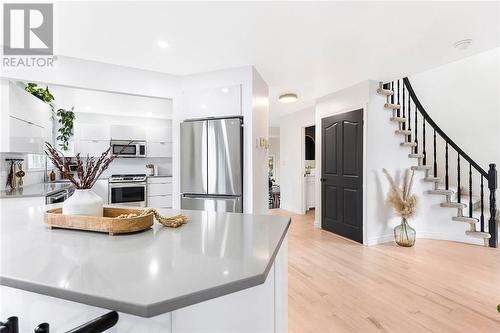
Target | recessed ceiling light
(288,98)
(162,44)
(463,44)
(203,106)
(225,90)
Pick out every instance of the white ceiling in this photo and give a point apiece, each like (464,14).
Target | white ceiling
(311,48)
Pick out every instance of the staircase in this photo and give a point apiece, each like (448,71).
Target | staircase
(415,127)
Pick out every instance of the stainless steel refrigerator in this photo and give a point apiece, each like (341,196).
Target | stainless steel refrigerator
(212,164)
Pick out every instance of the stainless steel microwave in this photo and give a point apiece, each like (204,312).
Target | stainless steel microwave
(125,148)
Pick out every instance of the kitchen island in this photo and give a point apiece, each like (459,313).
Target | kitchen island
(221,272)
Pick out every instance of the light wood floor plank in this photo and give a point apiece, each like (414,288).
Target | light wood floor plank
(336,285)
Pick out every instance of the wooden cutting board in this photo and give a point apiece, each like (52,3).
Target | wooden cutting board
(108,223)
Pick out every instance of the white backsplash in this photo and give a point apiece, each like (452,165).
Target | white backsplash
(118,166)
(138,165)
(32,176)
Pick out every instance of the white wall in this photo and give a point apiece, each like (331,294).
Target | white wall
(463,98)
(260,129)
(292,157)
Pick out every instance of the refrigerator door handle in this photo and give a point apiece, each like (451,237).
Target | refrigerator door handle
(202,196)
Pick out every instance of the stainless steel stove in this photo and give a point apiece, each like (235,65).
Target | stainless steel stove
(128,190)
(127,178)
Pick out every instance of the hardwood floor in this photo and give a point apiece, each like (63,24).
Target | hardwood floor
(336,285)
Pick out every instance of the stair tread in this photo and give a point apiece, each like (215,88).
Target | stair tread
(478,234)
(404,132)
(465,219)
(421,167)
(432,179)
(440,191)
(398,119)
(453,205)
(385,92)
(408,144)
(416,155)
(392,106)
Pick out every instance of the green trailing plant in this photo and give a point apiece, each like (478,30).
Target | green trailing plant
(64,117)
(41,93)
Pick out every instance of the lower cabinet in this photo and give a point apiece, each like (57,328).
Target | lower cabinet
(101,189)
(160,192)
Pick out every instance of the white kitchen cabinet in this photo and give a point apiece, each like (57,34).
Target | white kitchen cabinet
(127,132)
(101,189)
(92,132)
(212,102)
(27,107)
(27,137)
(91,147)
(159,149)
(27,125)
(161,133)
(164,201)
(160,192)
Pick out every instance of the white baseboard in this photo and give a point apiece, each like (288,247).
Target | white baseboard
(427,235)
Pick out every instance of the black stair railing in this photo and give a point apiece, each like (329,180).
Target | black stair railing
(489,176)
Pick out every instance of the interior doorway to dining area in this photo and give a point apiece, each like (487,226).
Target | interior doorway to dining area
(273,164)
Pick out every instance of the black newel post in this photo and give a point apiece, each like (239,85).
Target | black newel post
(492,225)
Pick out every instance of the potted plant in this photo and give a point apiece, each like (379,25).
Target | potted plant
(83,201)
(405,205)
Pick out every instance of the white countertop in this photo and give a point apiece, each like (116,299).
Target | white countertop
(144,274)
(35,190)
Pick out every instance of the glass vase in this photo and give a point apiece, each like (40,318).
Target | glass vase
(404,235)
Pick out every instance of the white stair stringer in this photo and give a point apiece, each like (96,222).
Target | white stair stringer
(450,195)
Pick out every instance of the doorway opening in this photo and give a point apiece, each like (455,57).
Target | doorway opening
(273,168)
(309,169)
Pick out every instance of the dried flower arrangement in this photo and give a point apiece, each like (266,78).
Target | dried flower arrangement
(403,202)
(88,172)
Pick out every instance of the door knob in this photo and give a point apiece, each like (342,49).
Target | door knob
(322,179)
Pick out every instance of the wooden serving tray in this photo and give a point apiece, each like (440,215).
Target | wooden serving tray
(108,223)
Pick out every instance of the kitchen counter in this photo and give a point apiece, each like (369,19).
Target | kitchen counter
(35,190)
(144,274)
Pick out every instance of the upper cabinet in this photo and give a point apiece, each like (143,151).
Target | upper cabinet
(28,123)
(128,132)
(93,131)
(27,107)
(212,102)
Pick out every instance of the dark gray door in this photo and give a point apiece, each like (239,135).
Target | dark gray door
(342,174)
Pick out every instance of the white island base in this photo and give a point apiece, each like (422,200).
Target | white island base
(262,308)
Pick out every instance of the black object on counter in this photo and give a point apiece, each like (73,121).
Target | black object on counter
(10,326)
(99,324)
(42,328)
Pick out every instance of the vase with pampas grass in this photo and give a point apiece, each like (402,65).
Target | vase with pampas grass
(404,204)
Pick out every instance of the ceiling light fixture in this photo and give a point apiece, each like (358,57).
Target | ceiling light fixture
(225,90)
(463,44)
(162,44)
(288,98)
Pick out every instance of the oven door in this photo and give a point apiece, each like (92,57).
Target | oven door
(128,194)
